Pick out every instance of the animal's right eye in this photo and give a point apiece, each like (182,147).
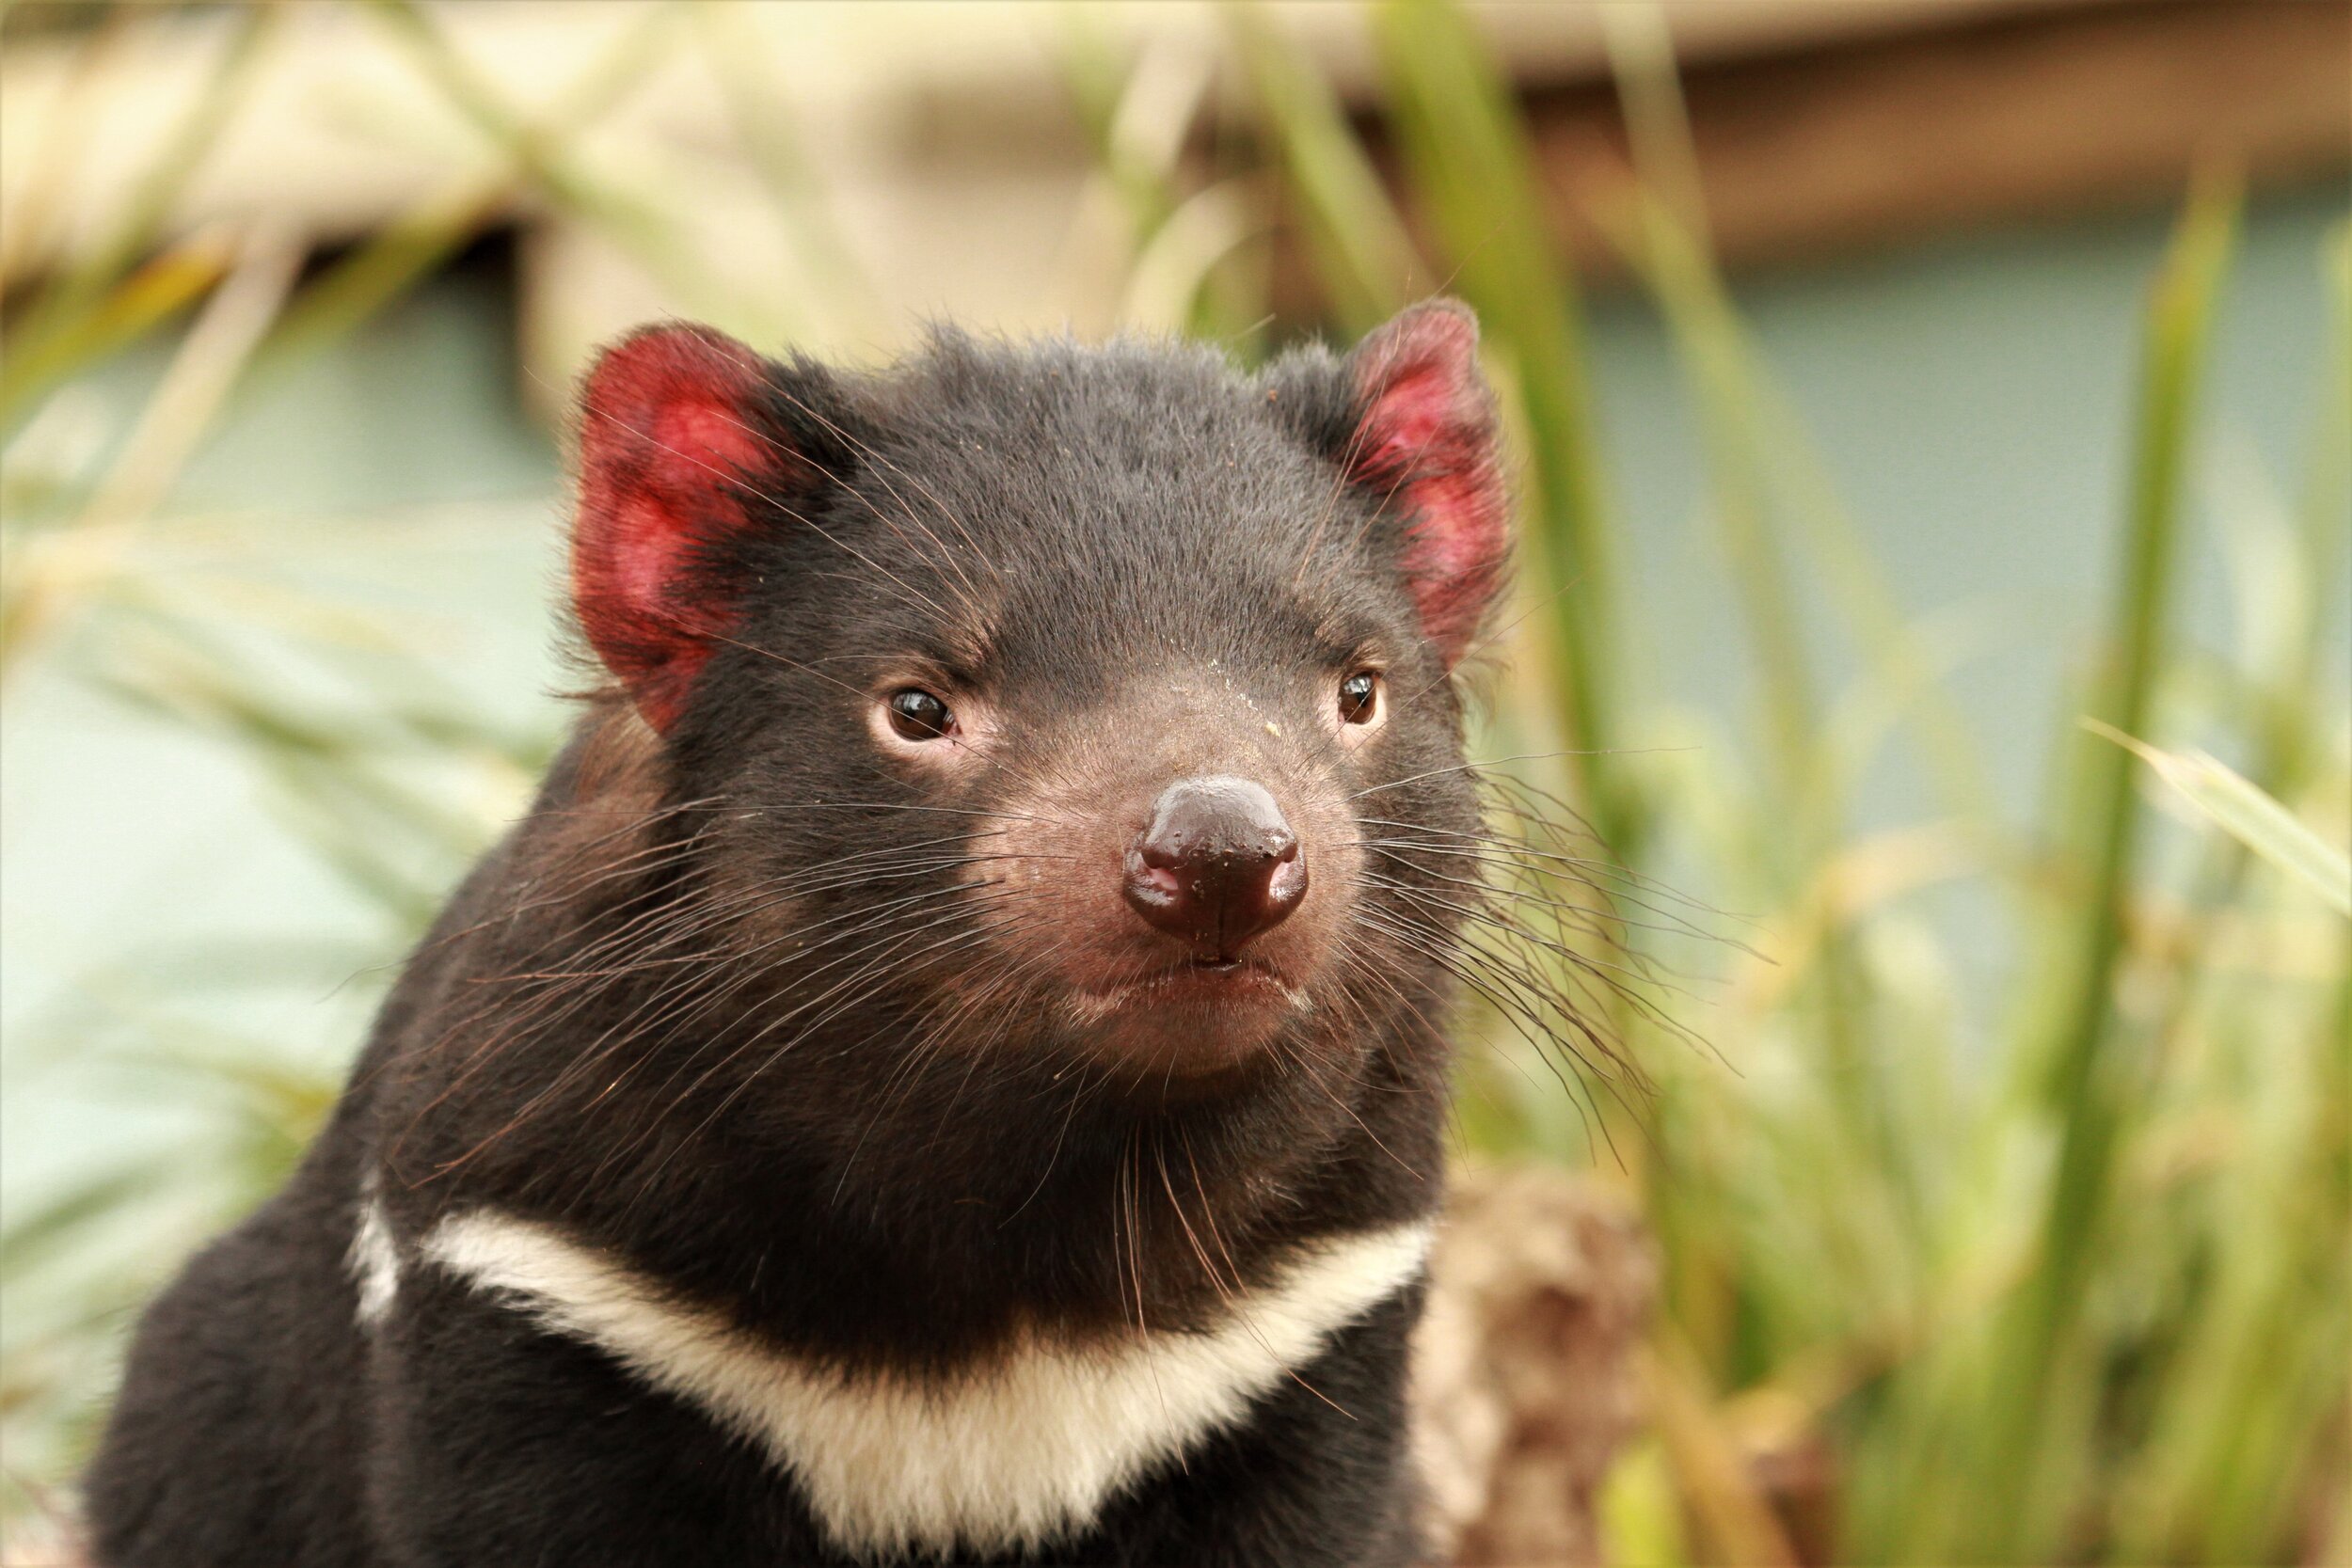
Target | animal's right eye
(917,714)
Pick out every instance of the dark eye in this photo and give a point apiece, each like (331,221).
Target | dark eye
(919,716)
(1359,698)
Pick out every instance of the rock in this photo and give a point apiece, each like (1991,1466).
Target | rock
(1526,1384)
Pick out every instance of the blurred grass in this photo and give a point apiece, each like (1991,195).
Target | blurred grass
(2068,1287)
(1467,155)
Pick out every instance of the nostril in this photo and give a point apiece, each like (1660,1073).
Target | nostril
(1288,884)
(1158,884)
(1216,866)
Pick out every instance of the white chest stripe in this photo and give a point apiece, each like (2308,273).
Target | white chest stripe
(372,1260)
(1012,1456)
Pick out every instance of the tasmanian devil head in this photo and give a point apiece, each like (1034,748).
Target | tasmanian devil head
(1026,746)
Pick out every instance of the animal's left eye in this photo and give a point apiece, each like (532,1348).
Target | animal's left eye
(1359,698)
(917,714)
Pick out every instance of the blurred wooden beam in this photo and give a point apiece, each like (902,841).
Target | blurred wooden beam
(941,135)
(2029,114)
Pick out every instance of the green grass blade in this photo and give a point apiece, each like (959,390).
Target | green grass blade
(2015,1503)
(1755,554)
(1184,250)
(417,242)
(159,292)
(1662,233)
(55,337)
(547,164)
(1355,240)
(2239,808)
(1473,174)
(756,99)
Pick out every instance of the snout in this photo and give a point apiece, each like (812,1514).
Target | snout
(1150,891)
(1217,866)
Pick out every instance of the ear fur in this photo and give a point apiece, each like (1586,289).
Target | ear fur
(1409,420)
(1426,440)
(676,452)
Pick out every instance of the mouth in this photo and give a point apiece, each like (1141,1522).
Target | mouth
(1236,981)
(1196,1014)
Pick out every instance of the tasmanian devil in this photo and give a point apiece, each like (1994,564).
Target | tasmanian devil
(952,1064)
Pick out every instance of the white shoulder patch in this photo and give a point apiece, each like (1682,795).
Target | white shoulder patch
(1011,1456)
(372,1259)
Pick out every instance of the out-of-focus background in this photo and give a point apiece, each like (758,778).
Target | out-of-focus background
(1936,419)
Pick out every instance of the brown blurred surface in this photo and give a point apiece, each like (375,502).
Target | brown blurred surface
(2001,118)
(1528,1381)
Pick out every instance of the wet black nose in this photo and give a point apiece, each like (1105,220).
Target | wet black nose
(1217,866)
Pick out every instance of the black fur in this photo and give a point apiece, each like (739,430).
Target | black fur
(713,1005)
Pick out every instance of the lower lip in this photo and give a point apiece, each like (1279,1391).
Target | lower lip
(1192,1027)
(1216,974)
(1226,982)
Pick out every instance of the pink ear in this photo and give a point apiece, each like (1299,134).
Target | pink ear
(670,453)
(1426,440)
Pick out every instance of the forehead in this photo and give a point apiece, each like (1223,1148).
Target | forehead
(1118,505)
